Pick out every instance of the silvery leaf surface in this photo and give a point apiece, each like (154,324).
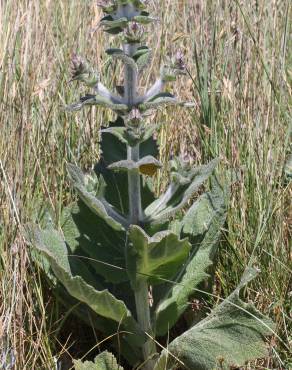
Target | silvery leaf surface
(183,186)
(235,332)
(95,202)
(159,100)
(147,165)
(97,100)
(52,245)
(202,224)
(104,361)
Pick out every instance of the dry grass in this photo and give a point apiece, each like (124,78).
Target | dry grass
(239,56)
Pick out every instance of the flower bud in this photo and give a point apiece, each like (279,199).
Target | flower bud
(79,67)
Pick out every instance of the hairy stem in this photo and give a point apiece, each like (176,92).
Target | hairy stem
(141,293)
(130,84)
(136,214)
(134,188)
(143,316)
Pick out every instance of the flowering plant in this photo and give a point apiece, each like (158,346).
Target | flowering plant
(134,261)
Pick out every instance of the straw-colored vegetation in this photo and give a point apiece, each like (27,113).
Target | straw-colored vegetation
(239,59)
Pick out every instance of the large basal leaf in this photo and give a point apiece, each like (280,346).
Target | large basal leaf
(202,225)
(183,186)
(90,237)
(52,245)
(95,201)
(232,334)
(154,258)
(104,361)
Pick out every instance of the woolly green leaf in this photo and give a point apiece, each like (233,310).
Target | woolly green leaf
(232,334)
(183,186)
(102,249)
(143,19)
(96,100)
(162,99)
(118,132)
(141,51)
(154,258)
(95,202)
(114,30)
(202,225)
(130,137)
(112,51)
(52,245)
(146,166)
(143,61)
(120,55)
(160,95)
(208,212)
(109,23)
(104,361)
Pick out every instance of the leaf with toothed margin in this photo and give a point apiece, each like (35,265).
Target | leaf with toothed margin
(129,137)
(121,55)
(155,258)
(96,203)
(51,243)
(146,166)
(141,50)
(143,19)
(104,361)
(142,57)
(202,224)
(109,23)
(160,95)
(158,100)
(102,248)
(183,186)
(143,61)
(231,335)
